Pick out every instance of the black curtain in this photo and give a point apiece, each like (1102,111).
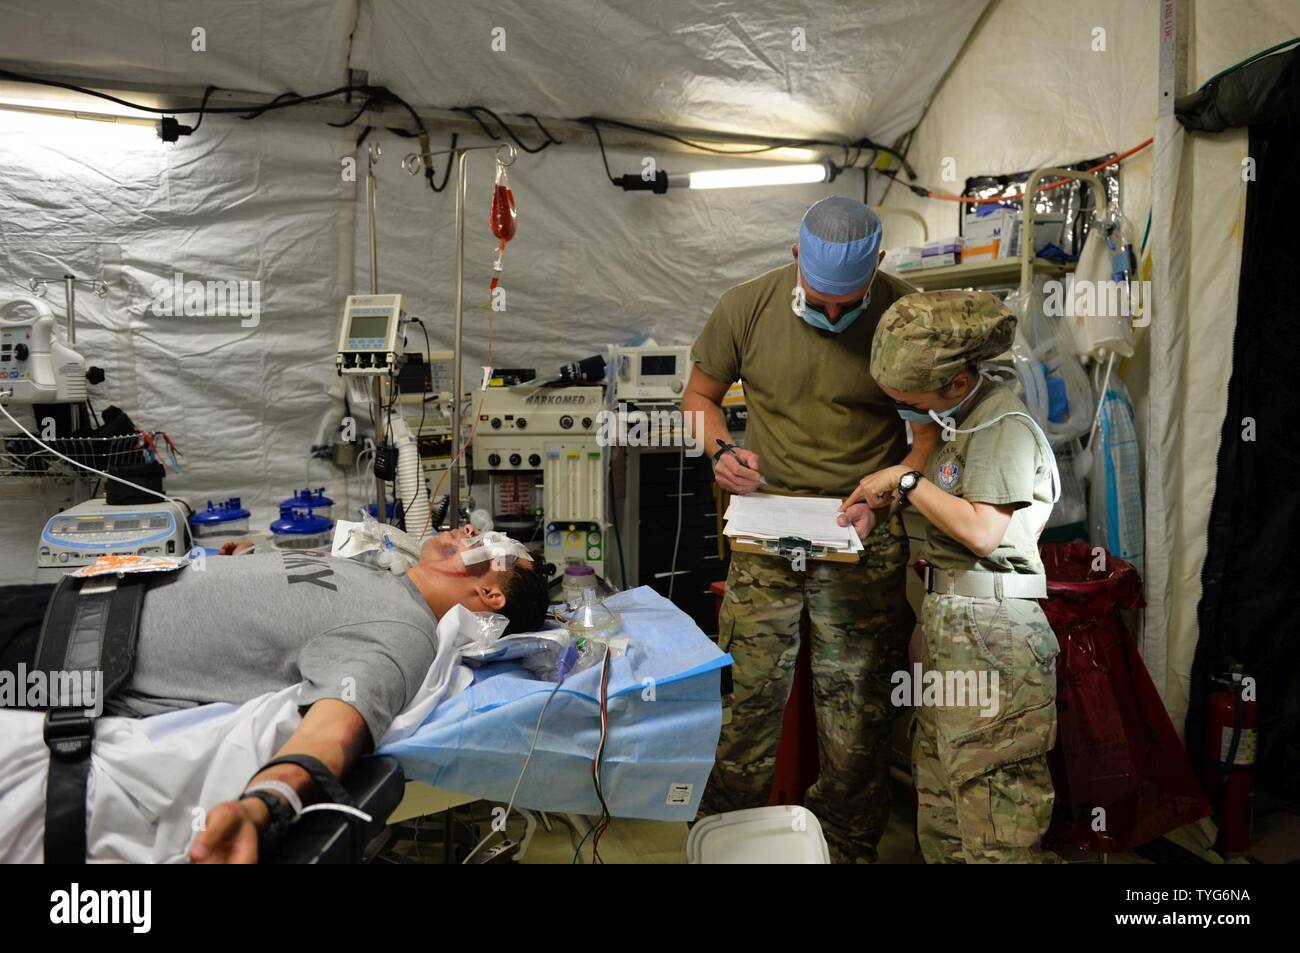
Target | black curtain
(1250,604)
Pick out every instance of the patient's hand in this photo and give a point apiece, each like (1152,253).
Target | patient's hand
(234,549)
(230,836)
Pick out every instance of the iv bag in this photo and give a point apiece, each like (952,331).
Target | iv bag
(502,214)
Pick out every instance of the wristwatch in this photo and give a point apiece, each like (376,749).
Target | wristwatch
(907,483)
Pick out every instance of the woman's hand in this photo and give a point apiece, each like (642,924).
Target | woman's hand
(876,490)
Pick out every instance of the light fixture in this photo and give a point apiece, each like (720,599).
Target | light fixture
(62,104)
(803,173)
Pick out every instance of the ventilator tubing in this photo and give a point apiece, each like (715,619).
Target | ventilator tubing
(409,487)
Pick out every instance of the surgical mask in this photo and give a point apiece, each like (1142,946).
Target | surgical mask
(912,415)
(818,319)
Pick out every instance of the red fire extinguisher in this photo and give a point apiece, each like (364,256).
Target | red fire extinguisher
(1231,745)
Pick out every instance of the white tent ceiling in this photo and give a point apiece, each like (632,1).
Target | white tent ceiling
(792,69)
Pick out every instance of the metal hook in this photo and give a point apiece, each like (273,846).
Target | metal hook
(414,162)
(99,287)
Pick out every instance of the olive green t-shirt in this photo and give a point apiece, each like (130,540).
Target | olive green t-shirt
(817,420)
(1006,463)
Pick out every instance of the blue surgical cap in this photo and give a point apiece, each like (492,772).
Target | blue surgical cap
(839,242)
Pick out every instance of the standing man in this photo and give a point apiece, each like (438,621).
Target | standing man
(799,337)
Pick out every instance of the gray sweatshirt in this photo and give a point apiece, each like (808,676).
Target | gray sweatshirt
(246,625)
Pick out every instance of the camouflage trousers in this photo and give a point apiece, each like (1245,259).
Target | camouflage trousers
(859,623)
(984,791)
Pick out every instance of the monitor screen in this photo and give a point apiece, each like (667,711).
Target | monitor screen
(658,365)
(368,326)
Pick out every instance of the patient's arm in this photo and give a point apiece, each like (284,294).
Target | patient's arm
(333,732)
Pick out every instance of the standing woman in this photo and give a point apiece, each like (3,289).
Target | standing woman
(979,757)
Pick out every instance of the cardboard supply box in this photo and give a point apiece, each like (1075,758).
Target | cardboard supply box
(904,258)
(984,232)
(942,252)
(996,234)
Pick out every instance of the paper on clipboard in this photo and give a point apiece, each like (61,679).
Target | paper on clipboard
(769,516)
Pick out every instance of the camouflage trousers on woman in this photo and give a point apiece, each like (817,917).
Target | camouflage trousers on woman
(984,792)
(859,623)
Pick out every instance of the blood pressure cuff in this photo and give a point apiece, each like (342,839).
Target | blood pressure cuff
(85,655)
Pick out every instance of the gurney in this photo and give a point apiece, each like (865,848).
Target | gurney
(151,778)
(665,716)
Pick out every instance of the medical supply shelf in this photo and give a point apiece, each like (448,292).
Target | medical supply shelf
(979,274)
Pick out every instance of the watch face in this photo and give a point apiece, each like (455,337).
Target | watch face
(907,482)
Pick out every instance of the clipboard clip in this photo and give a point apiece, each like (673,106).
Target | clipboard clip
(796,549)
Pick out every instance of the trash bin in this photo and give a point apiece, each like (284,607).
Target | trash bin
(1121,775)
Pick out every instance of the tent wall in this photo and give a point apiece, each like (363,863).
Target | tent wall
(242,201)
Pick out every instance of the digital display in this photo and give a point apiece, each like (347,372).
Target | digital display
(658,365)
(365,326)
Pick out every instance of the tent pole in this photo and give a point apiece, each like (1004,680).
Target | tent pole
(453,510)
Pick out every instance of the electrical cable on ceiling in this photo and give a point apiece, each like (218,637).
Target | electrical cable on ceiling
(925,193)
(375,96)
(170,129)
(473,112)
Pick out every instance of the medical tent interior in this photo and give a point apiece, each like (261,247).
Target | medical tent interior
(302,154)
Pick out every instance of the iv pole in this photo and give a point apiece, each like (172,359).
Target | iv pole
(377,397)
(413,164)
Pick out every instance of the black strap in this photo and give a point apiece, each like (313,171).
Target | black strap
(280,815)
(88,629)
(325,779)
(330,786)
(68,734)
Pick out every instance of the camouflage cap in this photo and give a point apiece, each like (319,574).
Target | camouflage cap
(925,339)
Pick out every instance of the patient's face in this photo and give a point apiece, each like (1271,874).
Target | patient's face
(442,553)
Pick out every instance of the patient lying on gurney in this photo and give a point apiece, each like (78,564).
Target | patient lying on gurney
(359,640)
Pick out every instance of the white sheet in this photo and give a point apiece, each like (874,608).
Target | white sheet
(151,778)
(771,516)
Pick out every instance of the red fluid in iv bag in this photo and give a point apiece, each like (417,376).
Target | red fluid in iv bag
(502,216)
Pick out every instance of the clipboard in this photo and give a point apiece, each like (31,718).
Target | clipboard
(788,547)
(770,524)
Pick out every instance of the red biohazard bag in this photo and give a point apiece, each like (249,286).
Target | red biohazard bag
(1121,775)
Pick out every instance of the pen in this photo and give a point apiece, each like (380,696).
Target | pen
(731,449)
